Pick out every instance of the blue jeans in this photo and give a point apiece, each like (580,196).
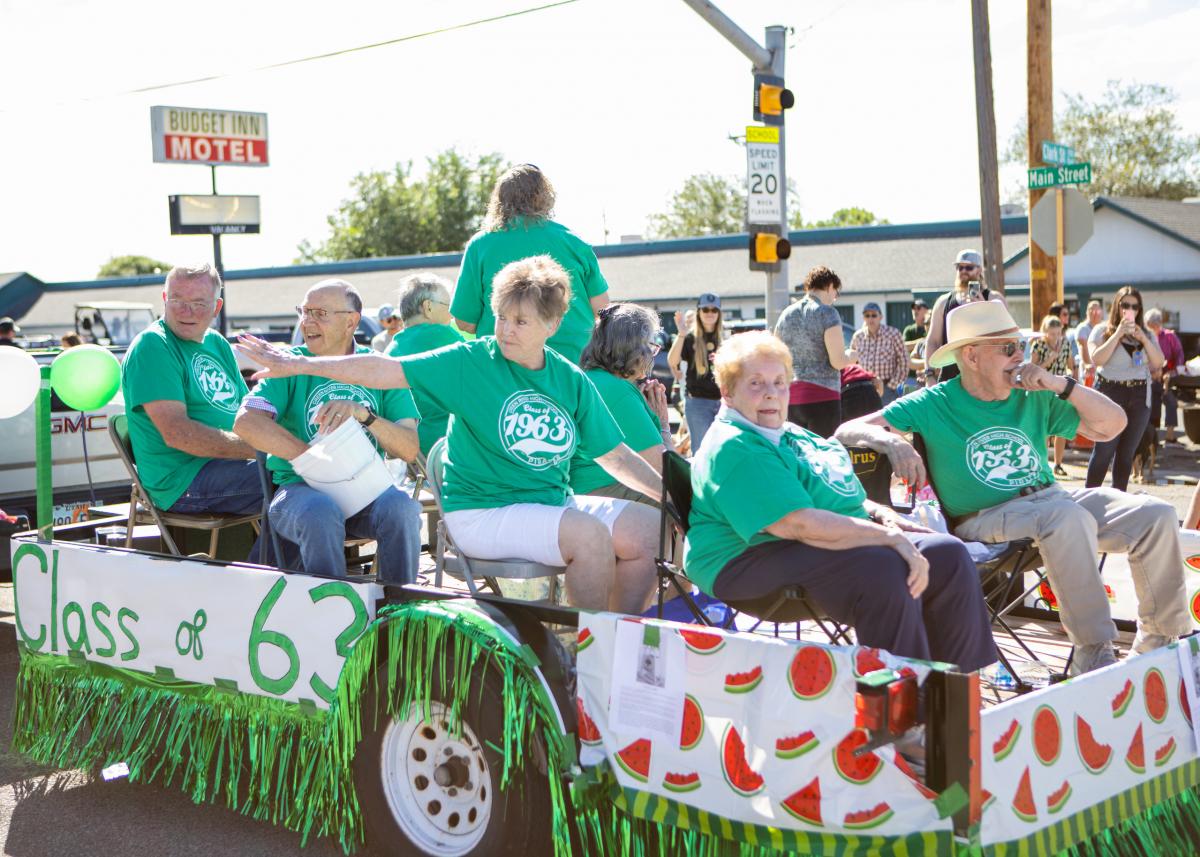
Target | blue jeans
(224,486)
(1119,451)
(314,522)
(890,394)
(699,414)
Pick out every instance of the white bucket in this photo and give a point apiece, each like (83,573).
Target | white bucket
(346,466)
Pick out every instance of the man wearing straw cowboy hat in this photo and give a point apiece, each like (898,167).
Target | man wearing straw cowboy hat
(985,432)
(282,415)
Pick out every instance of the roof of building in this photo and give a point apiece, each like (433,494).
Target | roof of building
(1178,219)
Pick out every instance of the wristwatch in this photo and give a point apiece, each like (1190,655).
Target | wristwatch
(1066,393)
(371,417)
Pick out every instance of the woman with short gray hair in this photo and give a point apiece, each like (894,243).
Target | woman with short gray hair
(618,360)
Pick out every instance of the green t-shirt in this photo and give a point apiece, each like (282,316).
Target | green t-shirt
(742,482)
(914,332)
(983,453)
(514,429)
(488,252)
(297,399)
(203,375)
(634,417)
(418,340)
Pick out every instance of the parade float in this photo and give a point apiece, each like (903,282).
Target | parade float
(417,720)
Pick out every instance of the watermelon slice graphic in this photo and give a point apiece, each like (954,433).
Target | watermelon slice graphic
(744,682)
(588,733)
(796,745)
(734,766)
(1094,755)
(584,640)
(867,818)
(702,642)
(907,770)
(681,782)
(1185,704)
(1023,804)
(1136,757)
(859,770)
(693,724)
(635,759)
(1058,799)
(1007,742)
(1120,703)
(1195,604)
(1154,689)
(1047,736)
(867,660)
(1164,753)
(805,805)
(811,672)
(1193,562)
(986,800)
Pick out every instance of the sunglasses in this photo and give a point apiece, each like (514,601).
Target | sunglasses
(870,315)
(1130,306)
(709,309)
(966,267)
(1008,349)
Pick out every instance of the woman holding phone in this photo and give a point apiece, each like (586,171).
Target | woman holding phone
(1125,354)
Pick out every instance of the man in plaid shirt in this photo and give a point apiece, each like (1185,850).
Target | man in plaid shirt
(881,351)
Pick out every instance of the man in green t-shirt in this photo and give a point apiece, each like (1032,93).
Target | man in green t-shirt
(425,309)
(182,389)
(985,435)
(518,226)
(282,416)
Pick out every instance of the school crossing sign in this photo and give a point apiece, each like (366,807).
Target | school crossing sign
(764,193)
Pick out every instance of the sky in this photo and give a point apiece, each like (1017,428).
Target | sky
(619,101)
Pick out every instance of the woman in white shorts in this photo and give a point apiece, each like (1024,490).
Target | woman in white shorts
(520,411)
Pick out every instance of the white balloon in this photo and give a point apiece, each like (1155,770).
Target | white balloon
(20,380)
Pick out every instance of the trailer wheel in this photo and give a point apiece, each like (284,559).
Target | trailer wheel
(424,788)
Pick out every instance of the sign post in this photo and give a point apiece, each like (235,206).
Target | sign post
(1063,172)
(190,135)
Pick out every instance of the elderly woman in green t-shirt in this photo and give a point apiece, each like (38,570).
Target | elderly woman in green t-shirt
(776,505)
(521,410)
(617,360)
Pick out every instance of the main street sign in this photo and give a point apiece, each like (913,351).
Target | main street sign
(1057,153)
(764,196)
(1043,177)
(189,135)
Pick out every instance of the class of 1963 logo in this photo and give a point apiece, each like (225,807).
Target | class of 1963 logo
(331,391)
(831,464)
(1003,458)
(215,384)
(535,430)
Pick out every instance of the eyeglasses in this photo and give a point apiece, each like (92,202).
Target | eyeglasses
(195,307)
(318,314)
(966,267)
(709,309)
(654,348)
(1008,349)
(1125,305)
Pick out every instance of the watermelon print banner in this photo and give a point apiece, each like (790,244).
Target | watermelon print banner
(1064,762)
(767,743)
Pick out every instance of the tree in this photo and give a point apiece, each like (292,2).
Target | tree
(1132,139)
(394,214)
(853,216)
(707,204)
(132,266)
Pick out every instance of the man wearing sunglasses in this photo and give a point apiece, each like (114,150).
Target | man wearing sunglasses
(985,436)
(968,268)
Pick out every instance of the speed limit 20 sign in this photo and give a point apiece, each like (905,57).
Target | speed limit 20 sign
(764,198)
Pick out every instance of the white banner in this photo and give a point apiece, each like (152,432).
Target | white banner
(258,630)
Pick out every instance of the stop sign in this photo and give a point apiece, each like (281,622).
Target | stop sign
(1078,222)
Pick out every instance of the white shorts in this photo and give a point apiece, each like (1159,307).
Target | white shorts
(526,531)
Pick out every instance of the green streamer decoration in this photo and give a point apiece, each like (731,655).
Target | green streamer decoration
(290,764)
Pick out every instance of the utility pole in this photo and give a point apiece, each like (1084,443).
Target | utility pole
(1043,269)
(765,60)
(985,121)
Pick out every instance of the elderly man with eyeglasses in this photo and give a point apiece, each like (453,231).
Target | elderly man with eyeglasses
(182,390)
(985,435)
(881,351)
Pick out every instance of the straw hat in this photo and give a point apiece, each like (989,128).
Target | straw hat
(972,323)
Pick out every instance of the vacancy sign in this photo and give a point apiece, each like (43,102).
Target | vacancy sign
(192,135)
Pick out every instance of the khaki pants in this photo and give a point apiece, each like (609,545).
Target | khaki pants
(1070,528)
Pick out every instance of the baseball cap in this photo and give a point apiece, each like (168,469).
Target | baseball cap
(919,303)
(969,257)
(7,323)
(708,299)
(871,306)
(385,312)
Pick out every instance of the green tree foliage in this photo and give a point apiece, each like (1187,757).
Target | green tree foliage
(853,216)
(1132,139)
(396,214)
(132,266)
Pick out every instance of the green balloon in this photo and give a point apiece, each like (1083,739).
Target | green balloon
(85,377)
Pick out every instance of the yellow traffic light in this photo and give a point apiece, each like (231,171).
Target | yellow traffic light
(766,248)
(773,100)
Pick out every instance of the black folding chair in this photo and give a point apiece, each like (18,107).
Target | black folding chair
(784,606)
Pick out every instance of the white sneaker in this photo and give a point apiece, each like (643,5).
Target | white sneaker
(1146,642)
(1093,656)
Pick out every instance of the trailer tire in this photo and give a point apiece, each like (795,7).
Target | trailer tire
(423,789)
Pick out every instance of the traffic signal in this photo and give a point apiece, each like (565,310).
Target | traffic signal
(767,249)
(771,99)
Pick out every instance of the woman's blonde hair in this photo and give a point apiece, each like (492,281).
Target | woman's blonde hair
(1050,321)
(699,350)
(523,191)
(537,280)
(730,361)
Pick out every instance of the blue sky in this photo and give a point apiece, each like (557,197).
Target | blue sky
(618,100)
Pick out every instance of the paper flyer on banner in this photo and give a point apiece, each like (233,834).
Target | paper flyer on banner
(1189,664)
(648,681)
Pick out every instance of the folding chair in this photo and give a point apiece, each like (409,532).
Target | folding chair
(143,511)
(448,557)
(423,494)
(787,605)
